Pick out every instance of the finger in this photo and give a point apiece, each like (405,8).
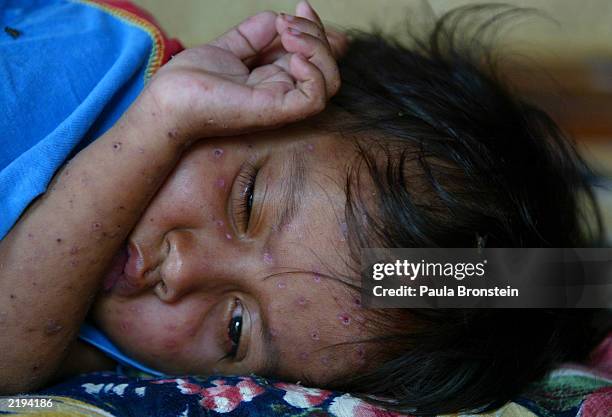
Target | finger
(250,37)
(305,10)
(338,42)
(318,53)
(283,62)
(308,98)
(270,53)
(267,74)
(285,21)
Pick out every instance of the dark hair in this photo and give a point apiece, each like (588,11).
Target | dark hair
(454,155)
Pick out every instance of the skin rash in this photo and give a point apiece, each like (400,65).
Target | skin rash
(158,180)
(193,239)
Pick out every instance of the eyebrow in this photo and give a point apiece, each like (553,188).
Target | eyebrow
(292,187)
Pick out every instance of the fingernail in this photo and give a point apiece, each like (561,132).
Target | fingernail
(294,31)
(288,17)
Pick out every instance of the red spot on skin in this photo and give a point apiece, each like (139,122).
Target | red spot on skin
(218,153)
(125,326)
(357,302)
(220,183)
(96,226)
(52,327)
(304,356)
(74,250)
(219,223)
(58,240)
(74,263)
(302,301)
(360,352)
(345,319)
(273,332)
(316,277)
(170,344)
(121,208)
(117,146)
(172,134)
(314,335)
(267,258)
(151,219)
(30,235)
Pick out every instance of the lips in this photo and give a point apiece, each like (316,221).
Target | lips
(124,275)
(116,269)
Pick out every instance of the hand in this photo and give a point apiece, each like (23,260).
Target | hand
(267,71)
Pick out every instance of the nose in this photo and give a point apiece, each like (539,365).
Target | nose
(192,265)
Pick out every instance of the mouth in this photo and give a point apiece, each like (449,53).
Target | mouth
(117,280)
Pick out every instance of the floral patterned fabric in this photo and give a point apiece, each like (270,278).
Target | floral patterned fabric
(570,391)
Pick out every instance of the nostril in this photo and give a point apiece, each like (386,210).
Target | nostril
(162,291)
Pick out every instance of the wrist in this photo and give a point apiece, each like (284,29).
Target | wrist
(150,120)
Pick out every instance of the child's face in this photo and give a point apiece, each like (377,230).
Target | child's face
(193,237)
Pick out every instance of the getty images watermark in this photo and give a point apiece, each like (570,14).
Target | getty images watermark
(487,278)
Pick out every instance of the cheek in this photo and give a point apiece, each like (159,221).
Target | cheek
(148,329)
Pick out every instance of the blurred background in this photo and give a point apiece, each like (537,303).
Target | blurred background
(561,58)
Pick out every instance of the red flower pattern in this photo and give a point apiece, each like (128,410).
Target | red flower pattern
(302,397)
(349,406)
(221,398)
(597,404)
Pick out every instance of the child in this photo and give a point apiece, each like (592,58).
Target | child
(217,239)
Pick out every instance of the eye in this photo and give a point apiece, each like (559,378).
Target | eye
(234,329)
(244,202)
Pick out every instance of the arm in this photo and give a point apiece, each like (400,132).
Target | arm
(53,259)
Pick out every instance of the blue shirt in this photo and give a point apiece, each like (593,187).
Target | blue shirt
(68,71)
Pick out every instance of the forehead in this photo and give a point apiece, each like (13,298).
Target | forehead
(307,307)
